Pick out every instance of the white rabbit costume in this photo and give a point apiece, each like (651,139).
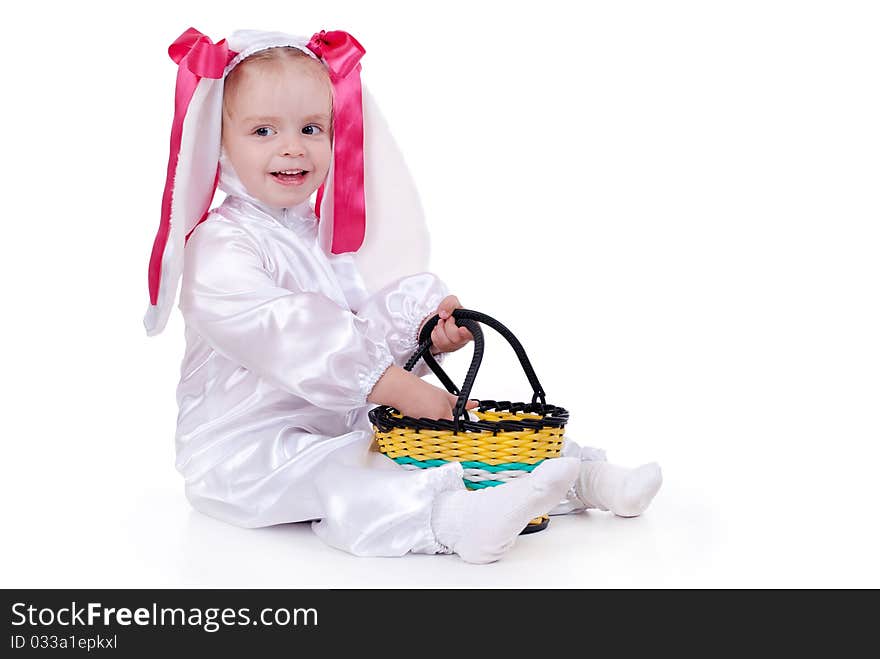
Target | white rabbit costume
(286,332)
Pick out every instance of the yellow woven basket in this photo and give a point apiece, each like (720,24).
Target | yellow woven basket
(506,441)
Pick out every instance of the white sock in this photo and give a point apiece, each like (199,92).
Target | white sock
(480,526)
(625,492)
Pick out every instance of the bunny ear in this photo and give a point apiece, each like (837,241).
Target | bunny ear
(396,242)
(192,164)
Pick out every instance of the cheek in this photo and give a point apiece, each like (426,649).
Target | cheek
(236,153)
(322,158)
(248,161)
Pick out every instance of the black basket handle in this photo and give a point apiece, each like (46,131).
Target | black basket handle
(466,318)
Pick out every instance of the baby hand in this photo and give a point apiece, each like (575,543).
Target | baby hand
(424,400)
(413,396)
(446,335)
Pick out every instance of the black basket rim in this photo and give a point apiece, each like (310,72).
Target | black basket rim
(552,417)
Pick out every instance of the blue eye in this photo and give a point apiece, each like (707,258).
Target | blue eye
(263,128)
(311,129)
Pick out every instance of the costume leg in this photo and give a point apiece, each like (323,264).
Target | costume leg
(374,507)
(570,502)
(383,509)
(605,486)
(365,503)
(625,492)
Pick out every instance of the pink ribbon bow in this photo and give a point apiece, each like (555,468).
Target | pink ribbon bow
(341,53)
(197,57)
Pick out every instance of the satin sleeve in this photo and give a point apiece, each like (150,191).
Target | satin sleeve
(302,342)
(399,310)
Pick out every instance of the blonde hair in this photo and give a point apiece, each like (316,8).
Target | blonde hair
(269,59)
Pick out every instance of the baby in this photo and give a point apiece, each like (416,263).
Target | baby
(287,349)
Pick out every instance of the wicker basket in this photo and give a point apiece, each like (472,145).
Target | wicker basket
(508,441)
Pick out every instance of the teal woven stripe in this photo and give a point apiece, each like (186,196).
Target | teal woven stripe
(522,466)
(479,485)
(406,460)
(468,465)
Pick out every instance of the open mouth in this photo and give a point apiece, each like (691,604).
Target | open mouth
(290,175)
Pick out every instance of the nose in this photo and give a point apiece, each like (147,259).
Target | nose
(293,145)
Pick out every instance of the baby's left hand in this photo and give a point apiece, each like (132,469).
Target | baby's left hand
(446,335)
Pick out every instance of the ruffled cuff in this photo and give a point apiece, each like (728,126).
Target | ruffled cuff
(400,309)
(408,340)
(444,480)
(368,379)
(419,313)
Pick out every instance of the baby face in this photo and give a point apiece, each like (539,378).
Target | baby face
(276,130)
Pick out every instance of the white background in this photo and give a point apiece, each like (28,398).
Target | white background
(673,205)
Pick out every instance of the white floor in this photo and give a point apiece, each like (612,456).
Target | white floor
(89,529)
